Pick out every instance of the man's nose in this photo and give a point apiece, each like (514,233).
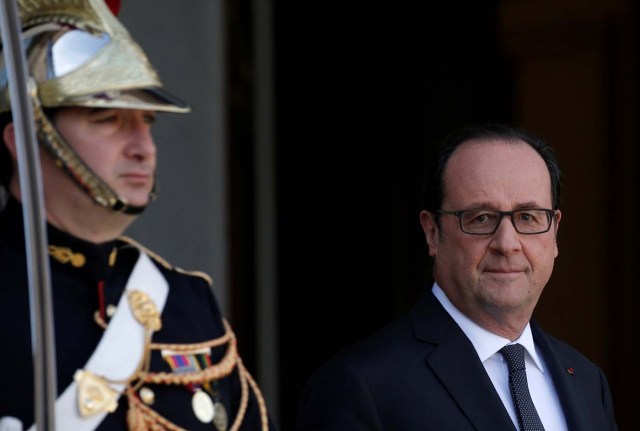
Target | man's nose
(506,239)
(141,144)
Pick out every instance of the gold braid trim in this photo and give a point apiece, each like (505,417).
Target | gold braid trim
(227,337)
(151,254)
(244,398)
(264,419)
(165,262)
(214,372)
(142,418)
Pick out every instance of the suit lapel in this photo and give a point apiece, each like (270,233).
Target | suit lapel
(456,363)
(572,400)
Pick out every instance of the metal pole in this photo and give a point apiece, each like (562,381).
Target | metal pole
(40,302)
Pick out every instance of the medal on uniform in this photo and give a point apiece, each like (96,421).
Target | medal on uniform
(202,406)
(220,419)
(205,401)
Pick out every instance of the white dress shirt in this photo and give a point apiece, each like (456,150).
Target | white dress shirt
(488,345)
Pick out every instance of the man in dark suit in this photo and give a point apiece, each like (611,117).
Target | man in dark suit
(490,219)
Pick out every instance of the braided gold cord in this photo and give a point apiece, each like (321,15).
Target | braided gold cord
(244,398)
(228,336)
(264,419)
(141,417)
(214,372)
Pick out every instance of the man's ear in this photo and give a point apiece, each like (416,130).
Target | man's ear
(431,231)
(9,137)
(556,226)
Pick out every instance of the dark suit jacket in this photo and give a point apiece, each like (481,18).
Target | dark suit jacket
(422,373)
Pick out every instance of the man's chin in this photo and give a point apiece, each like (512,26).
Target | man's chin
(137,200)
(512,298)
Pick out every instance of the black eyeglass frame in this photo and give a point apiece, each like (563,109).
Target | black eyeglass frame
(551,215)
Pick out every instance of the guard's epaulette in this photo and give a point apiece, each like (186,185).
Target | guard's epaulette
(164,262)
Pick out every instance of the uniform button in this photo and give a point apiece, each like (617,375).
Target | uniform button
(111,310)
(147,396)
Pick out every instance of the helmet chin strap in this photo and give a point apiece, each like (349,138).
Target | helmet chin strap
(67,159)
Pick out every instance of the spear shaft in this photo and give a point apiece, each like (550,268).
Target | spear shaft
(40,302)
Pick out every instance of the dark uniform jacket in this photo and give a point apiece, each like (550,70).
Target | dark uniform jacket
(191,315)
(422,373)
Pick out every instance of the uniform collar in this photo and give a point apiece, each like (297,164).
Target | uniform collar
(73,254)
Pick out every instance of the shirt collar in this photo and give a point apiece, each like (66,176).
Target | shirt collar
(486,343)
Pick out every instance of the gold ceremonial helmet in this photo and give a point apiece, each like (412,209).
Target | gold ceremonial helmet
(79,54)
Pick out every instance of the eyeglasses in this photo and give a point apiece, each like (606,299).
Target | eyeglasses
(485,222)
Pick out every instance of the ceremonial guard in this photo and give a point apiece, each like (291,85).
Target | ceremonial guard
(140,344)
